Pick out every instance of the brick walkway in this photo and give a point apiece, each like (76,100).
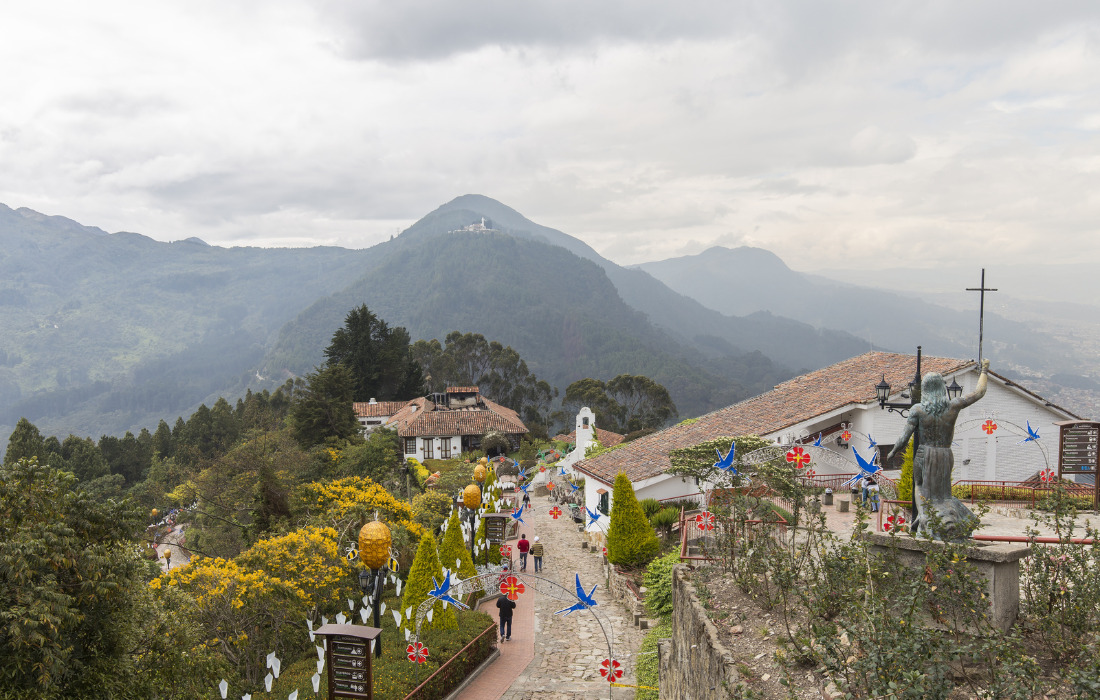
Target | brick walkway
(555,657)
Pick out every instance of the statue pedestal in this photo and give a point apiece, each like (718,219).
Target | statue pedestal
(997,562)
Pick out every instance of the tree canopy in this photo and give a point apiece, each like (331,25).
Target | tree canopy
(625,404)
(377,356)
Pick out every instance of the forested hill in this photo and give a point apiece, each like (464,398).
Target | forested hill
(104,333)
(100,333)
(560,312)
(794,344)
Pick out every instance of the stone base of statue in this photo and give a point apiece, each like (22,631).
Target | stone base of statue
(997,562)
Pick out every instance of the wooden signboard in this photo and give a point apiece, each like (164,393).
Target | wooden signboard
(1079,451)
(347,657)
(496,524)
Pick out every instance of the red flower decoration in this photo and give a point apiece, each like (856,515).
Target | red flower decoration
(810,473)
(506,550)
(989,426)
(893,521)
(512,588)
(705,521)
(846,435)
(542,468)
(1047,475)
(417,652)
(555,512)
(605,551)
(798,456)
(550,485)
(611,669)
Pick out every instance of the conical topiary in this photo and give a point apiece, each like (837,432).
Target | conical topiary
(424,567)
(453,548)
(631,540)
(905,482)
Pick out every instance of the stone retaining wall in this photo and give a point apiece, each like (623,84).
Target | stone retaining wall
(694,664)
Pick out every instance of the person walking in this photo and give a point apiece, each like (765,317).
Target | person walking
(524,547)
(505,607)
(537,552)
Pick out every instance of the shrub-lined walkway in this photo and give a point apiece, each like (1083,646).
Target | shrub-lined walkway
(552,657)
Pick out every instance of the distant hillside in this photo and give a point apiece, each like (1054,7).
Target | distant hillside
(110,332)
(107,332)
(560,312)
(751,280)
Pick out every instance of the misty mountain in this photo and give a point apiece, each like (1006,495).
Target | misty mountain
(109,332)
(750,280)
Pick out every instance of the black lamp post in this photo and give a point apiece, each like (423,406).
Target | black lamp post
(369,580)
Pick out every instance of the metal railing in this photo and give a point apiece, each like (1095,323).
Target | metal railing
(455,669)
(687,525)
(1016,494)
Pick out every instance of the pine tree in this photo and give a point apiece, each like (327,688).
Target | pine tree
(631,540)
(453,549)
(426,566)
(25,442)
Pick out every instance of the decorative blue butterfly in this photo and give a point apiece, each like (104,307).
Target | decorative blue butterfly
(442,590)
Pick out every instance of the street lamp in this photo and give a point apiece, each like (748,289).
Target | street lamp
(374,552)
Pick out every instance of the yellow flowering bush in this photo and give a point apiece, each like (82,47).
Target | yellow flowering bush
(307,560)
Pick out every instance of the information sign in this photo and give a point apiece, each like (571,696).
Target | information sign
(1079,451)
(495,526)
(348,658)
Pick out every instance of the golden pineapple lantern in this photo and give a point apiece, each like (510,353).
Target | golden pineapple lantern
(471,497)
(374,544)
(479,474)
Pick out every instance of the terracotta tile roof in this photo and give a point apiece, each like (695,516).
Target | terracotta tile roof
(365,409)
(802,398)
(462,390)
(606,437)
(421,417)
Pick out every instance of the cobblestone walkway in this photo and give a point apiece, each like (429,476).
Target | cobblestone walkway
(567,650)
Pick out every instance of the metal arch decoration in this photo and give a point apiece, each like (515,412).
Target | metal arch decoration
(578,599)
(1024,431)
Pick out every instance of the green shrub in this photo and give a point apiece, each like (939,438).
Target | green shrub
(425,567)
(648,661)
(650,506)
(631,540)
(658,584)
(905,481)
(663,520)
(453,547)
(430,509)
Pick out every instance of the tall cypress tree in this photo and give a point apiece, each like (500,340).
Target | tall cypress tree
(424,567)
(631,540)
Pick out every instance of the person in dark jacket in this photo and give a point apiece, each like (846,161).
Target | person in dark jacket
(505,607)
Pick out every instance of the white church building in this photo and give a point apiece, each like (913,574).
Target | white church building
(837,407)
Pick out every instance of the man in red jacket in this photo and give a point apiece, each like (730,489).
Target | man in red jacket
(524,547)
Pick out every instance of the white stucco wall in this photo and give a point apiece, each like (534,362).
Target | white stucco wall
(437,445)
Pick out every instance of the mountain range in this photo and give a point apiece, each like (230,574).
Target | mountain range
(104,333)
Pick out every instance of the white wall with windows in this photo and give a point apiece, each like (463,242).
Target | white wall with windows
(438,447)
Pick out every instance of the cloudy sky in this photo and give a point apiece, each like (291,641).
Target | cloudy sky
(837,134)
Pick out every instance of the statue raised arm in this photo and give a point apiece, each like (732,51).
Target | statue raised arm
(933,420)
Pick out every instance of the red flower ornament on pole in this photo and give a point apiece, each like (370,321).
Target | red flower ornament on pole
(989,426)
(417,652)
(550,485)
(846,436)
(512,588)
(893,522)
(798,457)
(705,521)
(611,669)
(505,550)
(555,512)
(1047,476)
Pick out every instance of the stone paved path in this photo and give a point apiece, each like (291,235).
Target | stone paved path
(565,650)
